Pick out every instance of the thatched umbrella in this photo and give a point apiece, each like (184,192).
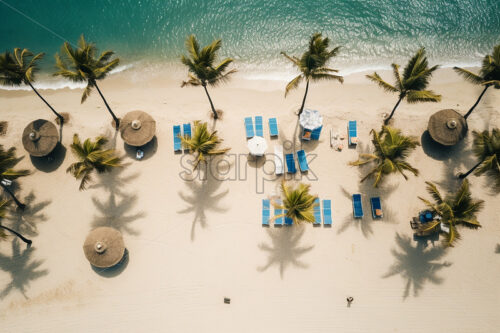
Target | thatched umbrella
(40,137)
(447,127)
(137,128)
(104,247)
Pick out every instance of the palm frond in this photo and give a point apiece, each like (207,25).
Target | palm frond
(468,75)
(415,96)
(381,83)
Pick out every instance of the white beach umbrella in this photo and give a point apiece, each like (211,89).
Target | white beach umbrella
(310,119)
(257,146)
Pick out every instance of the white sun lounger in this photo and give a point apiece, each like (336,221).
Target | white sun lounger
(278,160)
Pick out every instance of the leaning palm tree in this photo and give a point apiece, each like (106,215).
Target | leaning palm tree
(3,209)
(91,157)
(488,76)
(312,65)
(20,68)
(202,71)
(203,143)
(81,65)
(412,84)
(454,209)
(298,203)
(486,147)
(8,161)
(391,150)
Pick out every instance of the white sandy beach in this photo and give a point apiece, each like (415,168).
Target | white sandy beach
(192,243)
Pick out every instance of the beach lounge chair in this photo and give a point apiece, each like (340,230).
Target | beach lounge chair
(352,132)
(290,163)
(357,206)
(327,212)
(316,133)
(177,139)
(278,211)
(317,212)
(249,127)
(273,127)
(279,166)
(259,127)
(266,212)
(301,157)
(376,207)
(288,220)
(186,128)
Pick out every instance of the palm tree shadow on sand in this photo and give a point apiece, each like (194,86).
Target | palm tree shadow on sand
(201,197)
(22,269)
(284,250)
(497,250)
(26,221)
(416,264)
(367,190)
(114,181)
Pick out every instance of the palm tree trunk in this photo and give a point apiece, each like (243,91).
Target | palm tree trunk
(304,99)
(18,203)
(211,104)
(117,121)
(477,102)
(463,175)
(61,119)
(386,121)
(24,239)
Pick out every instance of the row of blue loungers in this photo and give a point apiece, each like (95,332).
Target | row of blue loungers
(186,128)
(266,213)
(357,207)
(259,127)
(290,162)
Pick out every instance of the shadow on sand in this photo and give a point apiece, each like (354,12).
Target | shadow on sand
(116,269)
(202,196)
(416,264)
(52,161)
(26,221)
(284,250)
(497,250)
(22,269)
(149,149)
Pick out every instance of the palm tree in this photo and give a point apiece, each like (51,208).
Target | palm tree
(488,76)
(312,65)
(81,65)
(3,209)
(486,147)
(412,84)
(391,150)
(298,203)
(91,158)
(20,68)
(200,64)
(203,143)
(454,209)
(8,161)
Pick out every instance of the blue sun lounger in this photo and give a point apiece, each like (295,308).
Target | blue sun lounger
(186,129)
(376,207)
(357,206)
(278,211)
(352,132)
(273,127)
(259,127)
(177,139)
(316,133)
(327,212)
(290,163)
(301,157)
(249,127)
(266,211)
(317,212)
(288,220)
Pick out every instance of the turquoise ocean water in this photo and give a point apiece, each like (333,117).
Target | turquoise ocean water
(373,33)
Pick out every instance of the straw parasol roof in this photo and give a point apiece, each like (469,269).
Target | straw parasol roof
(257,146)
(40,137)
(447,127)
(104,247)
(137,128)
(310,119)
